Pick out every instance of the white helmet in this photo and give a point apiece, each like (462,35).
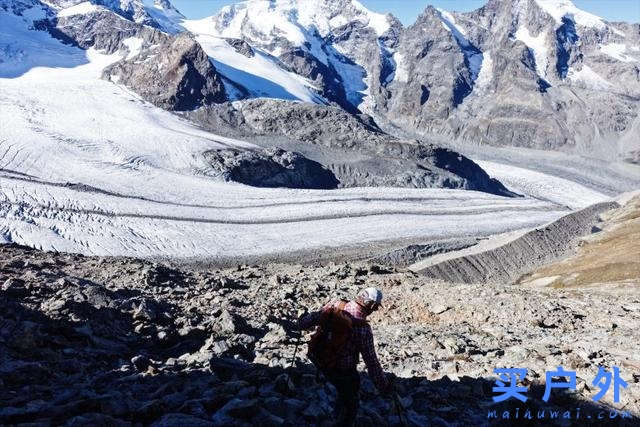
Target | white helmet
(371,296)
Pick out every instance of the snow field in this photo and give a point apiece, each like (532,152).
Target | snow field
(86,166)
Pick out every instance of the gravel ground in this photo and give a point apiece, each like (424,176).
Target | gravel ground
(90,340)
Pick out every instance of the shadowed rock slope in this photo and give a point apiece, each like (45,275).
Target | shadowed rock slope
(88,341)
(356,151)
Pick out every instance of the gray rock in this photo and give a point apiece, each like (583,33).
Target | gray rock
(236,409)
(141,362)
(186,79)
(241,46)
(95,419)
(15,288)
(284,384)
(225,323)
(271,168)
(170,420)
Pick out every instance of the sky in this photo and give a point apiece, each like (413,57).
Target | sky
(408,10)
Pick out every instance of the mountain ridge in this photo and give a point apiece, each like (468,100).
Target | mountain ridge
(531,73)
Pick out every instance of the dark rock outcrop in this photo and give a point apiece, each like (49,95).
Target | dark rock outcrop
(241,47)
(174,75)
(352,147)
(271,168)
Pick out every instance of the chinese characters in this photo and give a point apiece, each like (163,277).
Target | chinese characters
(508,378)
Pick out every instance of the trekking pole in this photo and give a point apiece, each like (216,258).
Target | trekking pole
(295,351)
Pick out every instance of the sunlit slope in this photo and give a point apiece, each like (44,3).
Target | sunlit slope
(609,257)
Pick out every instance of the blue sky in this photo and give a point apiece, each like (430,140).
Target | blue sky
(407,10)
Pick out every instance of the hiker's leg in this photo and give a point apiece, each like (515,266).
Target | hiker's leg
(348,386)
(352,398)
(336,379)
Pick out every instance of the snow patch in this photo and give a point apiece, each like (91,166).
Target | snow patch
(538,47)
(134,44)
(558,9)
(449,22)
(260,75)
(377,21)
(485,76)
(471,53)
(617,51)
(165,15)
(402,73)
(79,9)
(588,77)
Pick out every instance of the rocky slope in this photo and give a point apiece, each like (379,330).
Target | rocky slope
(608,257)
(510,260)
(354,148)
(116,341)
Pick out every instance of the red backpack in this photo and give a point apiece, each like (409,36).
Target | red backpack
(332,334)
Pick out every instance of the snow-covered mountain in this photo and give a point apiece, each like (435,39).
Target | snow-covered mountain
(326,42)
(533,73)
(537,73)
(156,13)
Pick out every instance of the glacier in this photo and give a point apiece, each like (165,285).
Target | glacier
(87,166)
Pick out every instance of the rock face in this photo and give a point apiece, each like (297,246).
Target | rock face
(170,71)
(175,75)
(271,168)
(118,341)
(356,151)
(432,75)
(241,47)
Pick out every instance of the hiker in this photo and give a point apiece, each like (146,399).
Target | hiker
(343,334)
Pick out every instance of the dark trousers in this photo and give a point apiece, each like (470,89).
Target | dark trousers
(347,383)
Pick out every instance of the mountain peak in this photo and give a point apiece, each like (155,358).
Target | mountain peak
(560,9)
(160,14)
(288,17)
(557,9)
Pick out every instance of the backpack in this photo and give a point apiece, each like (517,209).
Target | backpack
(332,334)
